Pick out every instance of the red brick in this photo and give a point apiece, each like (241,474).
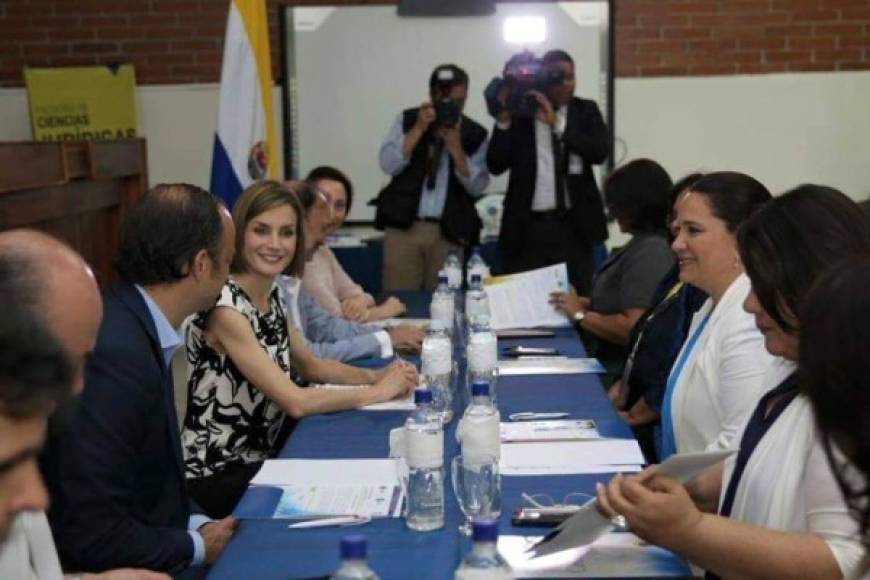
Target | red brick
(814,15)
(124,33)
(643,59)
(787,56)
(857,65)
(853,42)
(789,30)
(837,55)
(661,46)
(713,69)
(819,42)
(761,43)
(145,47)
(663,71)
(94,47)
(808,66)
(835,29)
(712,46)
(768,67)
(685,33)
(638,34)
(196,45)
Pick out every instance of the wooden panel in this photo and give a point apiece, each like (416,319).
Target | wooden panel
(115,158)
(76,191)
(27,165)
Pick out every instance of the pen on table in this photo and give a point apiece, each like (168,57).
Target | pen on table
(336,521)
(528,416)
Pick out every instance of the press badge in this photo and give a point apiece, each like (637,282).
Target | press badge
(575,164)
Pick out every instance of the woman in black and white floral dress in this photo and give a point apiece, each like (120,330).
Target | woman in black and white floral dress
(246,362)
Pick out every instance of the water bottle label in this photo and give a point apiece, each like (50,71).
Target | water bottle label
(482,354)
(437,356)
(442,310)
(425,448)
(437,366)
(481,436)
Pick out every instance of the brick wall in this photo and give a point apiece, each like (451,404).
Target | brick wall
(180,41)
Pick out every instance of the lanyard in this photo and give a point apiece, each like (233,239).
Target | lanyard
(660,307)
(669,440)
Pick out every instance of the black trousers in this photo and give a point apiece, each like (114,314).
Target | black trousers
(551,240)
(219,493)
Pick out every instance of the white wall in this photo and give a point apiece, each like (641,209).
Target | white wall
(783,129)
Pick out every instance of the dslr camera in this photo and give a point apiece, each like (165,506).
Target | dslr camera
(447,110)
(523,73)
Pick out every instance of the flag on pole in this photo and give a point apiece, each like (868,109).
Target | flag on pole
(245,141)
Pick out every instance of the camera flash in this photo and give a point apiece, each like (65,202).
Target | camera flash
(525,29)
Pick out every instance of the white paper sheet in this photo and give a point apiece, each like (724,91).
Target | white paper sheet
(571,457)
(550,366)
(522,300)
(615,555)
(318,471)
(404,404)
(588,523)
(538,431)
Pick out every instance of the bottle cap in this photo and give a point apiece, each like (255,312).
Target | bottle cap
(485,530)
(442,277)
(480,389)
(437,324)
(422,395)
(475,277)
(353,547)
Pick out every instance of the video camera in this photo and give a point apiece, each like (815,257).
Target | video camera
(522,73)
(447,110)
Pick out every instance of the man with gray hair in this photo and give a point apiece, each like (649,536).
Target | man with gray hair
(52,326)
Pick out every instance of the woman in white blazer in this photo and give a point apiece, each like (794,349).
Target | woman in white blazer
(781,513)
(717,377)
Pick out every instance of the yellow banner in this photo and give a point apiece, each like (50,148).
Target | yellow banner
(82,103)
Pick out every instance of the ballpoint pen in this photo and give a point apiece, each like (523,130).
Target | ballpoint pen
(529,416)
(332,521)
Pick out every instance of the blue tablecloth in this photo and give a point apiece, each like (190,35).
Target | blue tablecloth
(267,549)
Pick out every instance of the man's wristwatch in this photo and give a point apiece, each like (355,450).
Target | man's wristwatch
(579,315)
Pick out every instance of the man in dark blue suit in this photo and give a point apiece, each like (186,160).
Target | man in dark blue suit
(119,495)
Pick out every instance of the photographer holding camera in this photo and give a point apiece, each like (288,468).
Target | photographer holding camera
(436,157)
(548,139)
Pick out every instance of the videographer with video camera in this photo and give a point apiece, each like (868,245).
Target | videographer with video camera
(436,157)
(549,140)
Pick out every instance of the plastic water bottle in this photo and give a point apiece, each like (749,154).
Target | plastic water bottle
(442,305)
(476,265)
(353,560)
(482,354)
(424,437)
(480,430)
(476,301)
(437,368)
(484,561)
(453,269)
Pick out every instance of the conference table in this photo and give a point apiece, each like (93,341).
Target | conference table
(266,548)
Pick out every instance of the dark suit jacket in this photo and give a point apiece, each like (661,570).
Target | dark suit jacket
(119,494)
(514,149)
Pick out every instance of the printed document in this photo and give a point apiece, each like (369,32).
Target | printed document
(523,300)
(571,457)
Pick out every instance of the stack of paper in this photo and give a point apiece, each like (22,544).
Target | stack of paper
(522,300)
(571,457)
(531,431)
(550,366)
(307,488)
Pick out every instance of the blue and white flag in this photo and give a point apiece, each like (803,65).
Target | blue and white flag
(244,146)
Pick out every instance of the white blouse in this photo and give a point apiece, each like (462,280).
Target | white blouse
(788,484)
(723,377)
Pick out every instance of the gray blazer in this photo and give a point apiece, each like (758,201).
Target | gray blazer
(327,335)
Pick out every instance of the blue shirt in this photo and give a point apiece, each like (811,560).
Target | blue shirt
(432,200)
(170,339)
